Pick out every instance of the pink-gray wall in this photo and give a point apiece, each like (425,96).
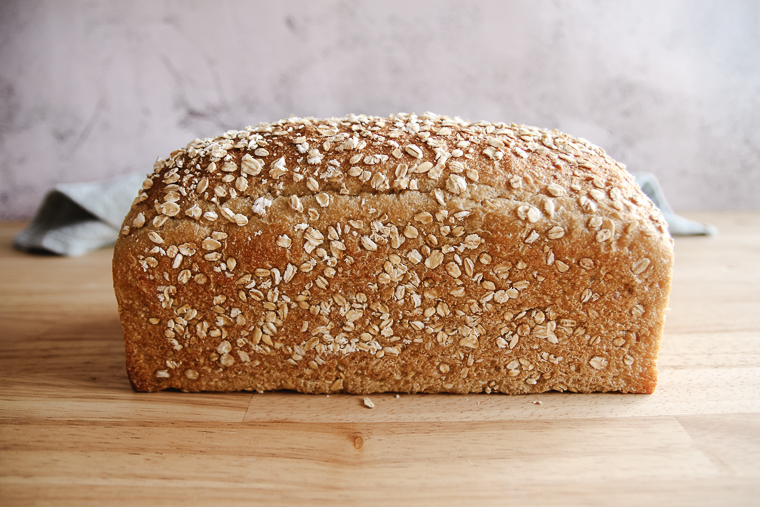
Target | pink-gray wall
(93,89)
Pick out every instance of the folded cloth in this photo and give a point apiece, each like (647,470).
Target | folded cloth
(76,218)
(678,226)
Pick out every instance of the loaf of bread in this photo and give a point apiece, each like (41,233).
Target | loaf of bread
(403,254)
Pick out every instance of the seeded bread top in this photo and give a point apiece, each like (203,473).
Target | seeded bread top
(354,155)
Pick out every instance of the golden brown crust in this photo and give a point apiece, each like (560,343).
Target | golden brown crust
(408,254)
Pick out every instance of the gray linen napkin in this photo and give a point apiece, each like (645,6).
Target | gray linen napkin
(678,226)
(76,218)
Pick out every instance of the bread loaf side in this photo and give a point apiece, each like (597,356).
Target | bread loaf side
(407,254)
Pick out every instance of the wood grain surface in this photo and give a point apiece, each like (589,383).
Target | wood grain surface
(72,432)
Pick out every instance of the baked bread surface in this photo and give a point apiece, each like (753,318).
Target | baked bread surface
(401,254)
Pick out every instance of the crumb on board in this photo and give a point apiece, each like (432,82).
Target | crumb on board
(368,403)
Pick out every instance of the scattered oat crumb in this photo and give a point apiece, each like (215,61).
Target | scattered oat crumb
(328,395)
(537,402)
(368,403)
(397,396)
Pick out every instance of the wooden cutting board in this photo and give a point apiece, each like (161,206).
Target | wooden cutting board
(72,432)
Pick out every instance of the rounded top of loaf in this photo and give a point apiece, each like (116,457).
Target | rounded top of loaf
(239,173)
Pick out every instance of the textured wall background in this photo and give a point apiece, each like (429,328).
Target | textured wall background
(92,89)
